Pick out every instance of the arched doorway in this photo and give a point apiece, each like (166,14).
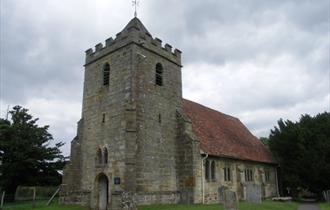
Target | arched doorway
(103,185)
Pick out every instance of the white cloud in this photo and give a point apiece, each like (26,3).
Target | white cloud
(60,115)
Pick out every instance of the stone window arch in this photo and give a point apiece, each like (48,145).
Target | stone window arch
(159,74)
(99,156)
(106,74)
(105,155)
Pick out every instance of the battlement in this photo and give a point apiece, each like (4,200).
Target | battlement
(143,39)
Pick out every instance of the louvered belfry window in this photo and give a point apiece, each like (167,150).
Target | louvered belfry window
(106,74)
(159,74)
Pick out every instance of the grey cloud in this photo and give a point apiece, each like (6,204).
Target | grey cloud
(239,56)
(35,62)
(242,29)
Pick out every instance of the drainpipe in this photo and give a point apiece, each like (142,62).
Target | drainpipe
(203,190)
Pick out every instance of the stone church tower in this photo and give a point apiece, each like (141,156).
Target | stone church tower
(127,134)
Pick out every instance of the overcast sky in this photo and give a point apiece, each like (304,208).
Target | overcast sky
(258,60)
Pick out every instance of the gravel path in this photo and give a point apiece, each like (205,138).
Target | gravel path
(309,206)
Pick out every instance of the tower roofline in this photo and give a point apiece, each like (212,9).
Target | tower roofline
(134,32)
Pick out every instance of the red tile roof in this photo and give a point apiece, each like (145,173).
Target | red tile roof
(223,135)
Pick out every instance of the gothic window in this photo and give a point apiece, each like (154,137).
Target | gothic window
(105,155)
(159,74)
(106,74)
(248,175)
(207,170)
(227,174)
(213,170)
(99,156)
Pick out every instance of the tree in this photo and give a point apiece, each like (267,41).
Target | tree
(303,151)
(265,141)
(25,152)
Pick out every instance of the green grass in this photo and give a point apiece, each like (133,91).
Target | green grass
(40,205)
(324,206)
(180,207)
(267,205)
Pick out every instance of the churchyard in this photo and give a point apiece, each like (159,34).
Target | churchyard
(266,205)
(24,201)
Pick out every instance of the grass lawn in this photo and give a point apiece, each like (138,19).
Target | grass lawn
(325,206)
(267,205)
(40,205)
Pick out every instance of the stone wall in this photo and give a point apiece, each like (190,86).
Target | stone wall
(132,117)
(156,123)
(238,182)
(188,162)
(108,102)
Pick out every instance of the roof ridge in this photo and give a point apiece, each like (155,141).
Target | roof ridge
(214,110)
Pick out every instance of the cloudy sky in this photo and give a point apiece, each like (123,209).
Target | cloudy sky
(258,60)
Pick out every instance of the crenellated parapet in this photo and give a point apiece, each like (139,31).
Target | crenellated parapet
(134,35)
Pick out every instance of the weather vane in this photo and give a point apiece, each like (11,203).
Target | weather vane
(135,4)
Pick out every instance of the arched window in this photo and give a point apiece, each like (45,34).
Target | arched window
(213,170)
(106,74)
(159,74)
(207,170)
(99,156)
(105,155)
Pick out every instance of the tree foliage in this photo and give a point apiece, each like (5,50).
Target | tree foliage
(303,151)
(265,141)
(25,152)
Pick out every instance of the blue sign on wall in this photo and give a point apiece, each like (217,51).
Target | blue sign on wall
(116,180)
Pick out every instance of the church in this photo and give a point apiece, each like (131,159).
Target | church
(138,135)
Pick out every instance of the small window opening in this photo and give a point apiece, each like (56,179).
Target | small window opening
(103,118)
(159,74)
(213,170)
(106,74)
(267,176)
(105,155)
(207,170)
(99,156)
(160,118)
